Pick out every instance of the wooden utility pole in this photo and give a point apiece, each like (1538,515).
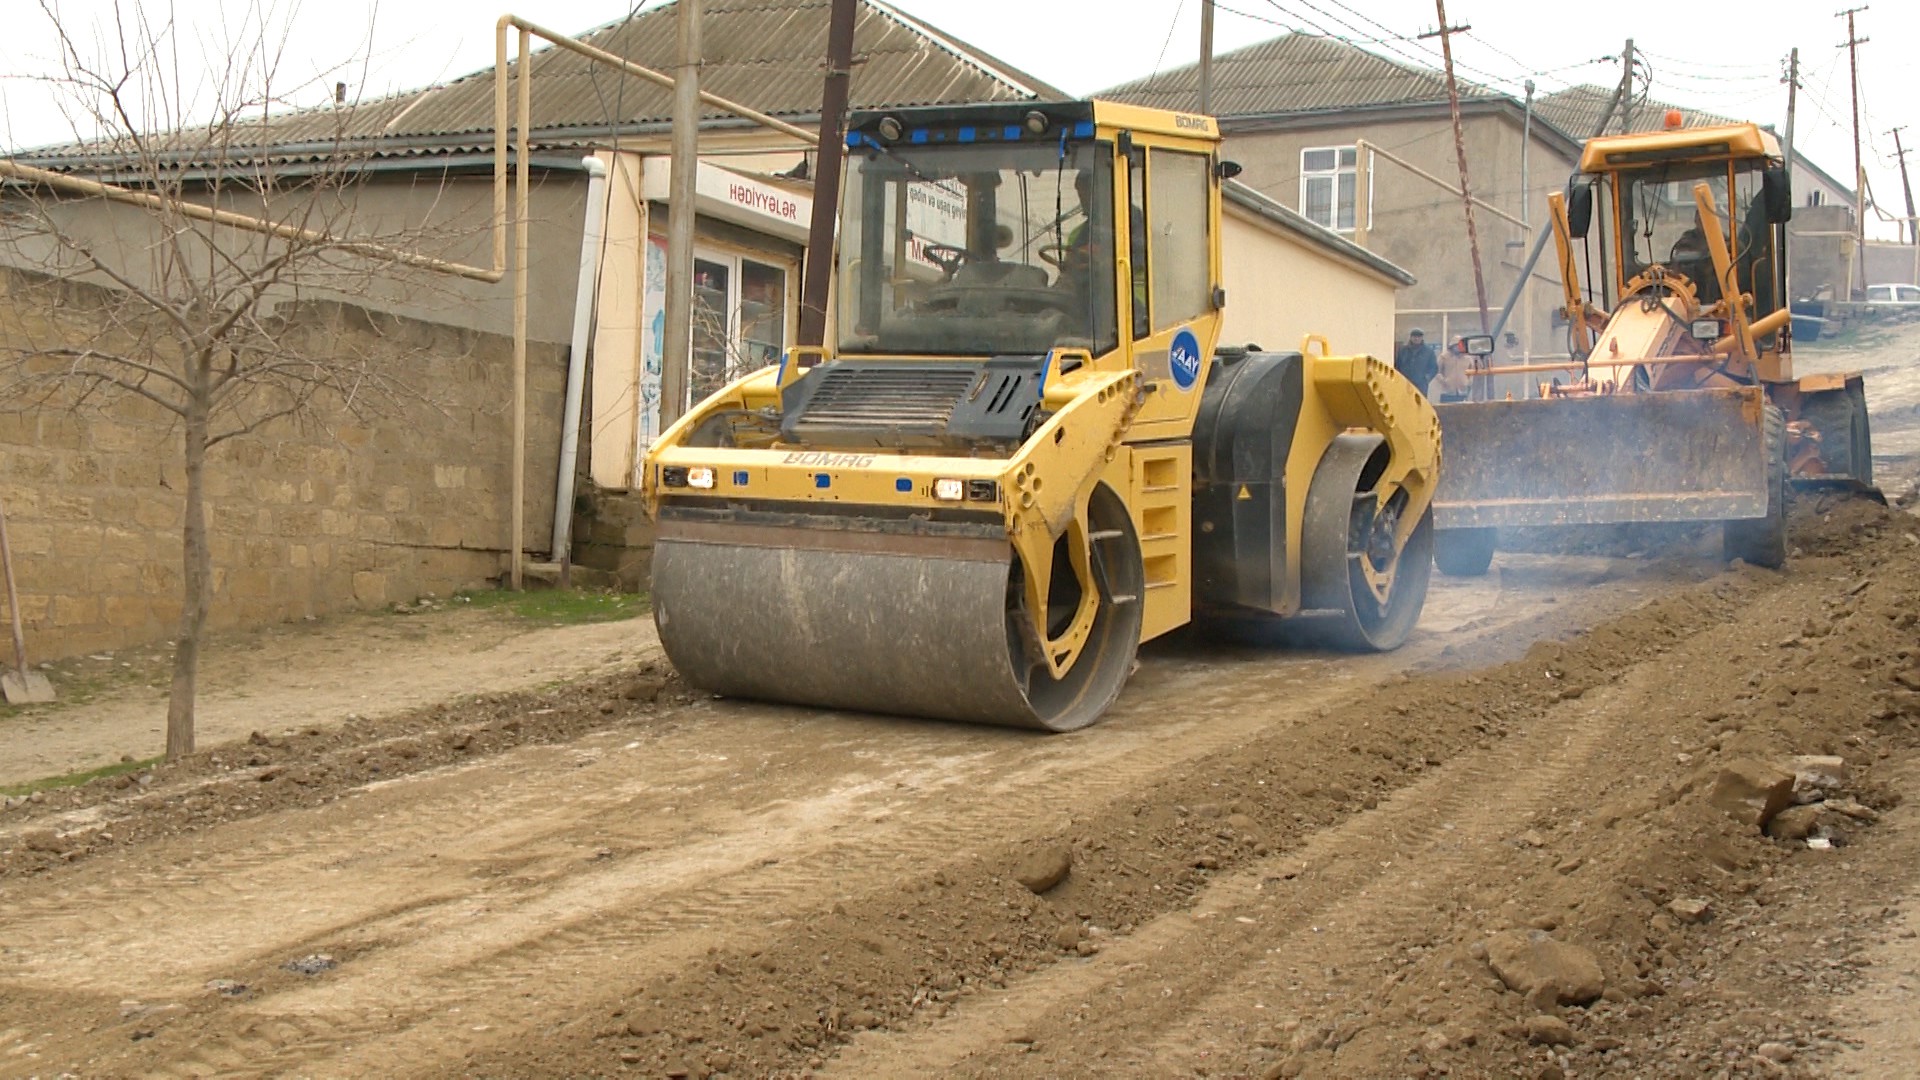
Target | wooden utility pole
(1445,34)
(826,174)
(1853,43)
(1206,58)
(676,354)
(1622,96)
(1913,226)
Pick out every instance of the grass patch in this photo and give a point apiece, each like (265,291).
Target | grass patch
(558,607)
(75,779)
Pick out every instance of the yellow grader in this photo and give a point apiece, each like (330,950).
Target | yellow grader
(1025,454)
(1685,406)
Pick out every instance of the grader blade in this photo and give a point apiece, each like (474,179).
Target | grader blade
(1698,455)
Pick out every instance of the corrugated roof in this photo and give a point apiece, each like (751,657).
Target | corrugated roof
(766,54)
(1577,110)
(1291,74)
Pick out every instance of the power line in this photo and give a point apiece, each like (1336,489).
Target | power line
(1171,27)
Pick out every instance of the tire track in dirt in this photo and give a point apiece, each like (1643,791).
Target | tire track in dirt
(1347,912)
(598,931)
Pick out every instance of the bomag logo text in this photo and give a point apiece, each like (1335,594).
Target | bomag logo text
(1192,123)
(831,461)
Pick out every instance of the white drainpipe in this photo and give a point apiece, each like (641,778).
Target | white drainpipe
(584,297)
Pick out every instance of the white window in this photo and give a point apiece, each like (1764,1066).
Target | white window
(1327,186)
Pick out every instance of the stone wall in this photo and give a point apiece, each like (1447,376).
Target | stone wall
(332,513)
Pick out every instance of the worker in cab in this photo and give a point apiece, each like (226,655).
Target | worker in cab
(1417,360)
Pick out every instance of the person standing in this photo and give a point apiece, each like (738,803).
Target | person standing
(1416,360)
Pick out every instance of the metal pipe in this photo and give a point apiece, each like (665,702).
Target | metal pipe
(113,193)
(522,283)
(1362,144)
(583,303)
(562,41)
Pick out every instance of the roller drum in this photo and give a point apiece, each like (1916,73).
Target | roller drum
(871,621)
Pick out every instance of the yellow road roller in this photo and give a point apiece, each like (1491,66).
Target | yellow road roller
(1026,452)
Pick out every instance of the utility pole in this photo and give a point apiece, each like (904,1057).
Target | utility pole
(1854,41)
(826,176)
(1445,34)
(1913,226)
(1622,101)
(676,354)
(1793,92)
(1206,58)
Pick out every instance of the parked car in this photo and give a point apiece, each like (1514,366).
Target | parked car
(1894,295)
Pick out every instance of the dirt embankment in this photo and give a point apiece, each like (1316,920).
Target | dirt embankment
(1323,867)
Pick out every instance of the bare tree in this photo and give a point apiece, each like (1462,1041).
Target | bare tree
(182,313)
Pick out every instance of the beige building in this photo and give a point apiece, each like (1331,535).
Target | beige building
(1299,109)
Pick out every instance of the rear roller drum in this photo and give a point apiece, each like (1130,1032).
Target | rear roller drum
(1349,564)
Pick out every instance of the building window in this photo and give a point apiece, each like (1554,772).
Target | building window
(1327,186)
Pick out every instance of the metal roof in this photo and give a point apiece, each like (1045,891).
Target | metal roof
(1577,110)
(1294,73)
(766,54)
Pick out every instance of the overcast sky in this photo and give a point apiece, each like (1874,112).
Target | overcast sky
(1722,55)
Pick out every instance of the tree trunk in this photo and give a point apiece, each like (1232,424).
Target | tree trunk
(197,592)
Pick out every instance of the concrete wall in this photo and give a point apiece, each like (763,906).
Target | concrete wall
(305,518)
(1281,288)
(1889,264)
(1420,226)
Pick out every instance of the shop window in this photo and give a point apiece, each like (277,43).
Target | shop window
(739,319)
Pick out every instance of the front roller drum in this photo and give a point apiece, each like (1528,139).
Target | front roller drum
(842,614)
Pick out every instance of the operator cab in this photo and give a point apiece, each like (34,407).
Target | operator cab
(980,239)
(1647,185)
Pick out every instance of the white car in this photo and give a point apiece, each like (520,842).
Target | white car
(1894,295)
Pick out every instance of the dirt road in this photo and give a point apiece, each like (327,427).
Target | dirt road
(1267,864)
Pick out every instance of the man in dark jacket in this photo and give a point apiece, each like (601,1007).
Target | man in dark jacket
(1417,360)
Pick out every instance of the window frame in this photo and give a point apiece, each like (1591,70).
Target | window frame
(1341,167)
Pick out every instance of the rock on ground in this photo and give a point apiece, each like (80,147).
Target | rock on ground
(1530,961)
(1752,791)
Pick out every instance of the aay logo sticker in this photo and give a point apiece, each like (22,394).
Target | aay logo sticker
(1183,359)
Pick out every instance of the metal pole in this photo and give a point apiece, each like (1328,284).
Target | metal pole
(826,179)
(522,175)
(583,304)
(677,337)
(1206,58)
(1859,170)
(1526,216)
